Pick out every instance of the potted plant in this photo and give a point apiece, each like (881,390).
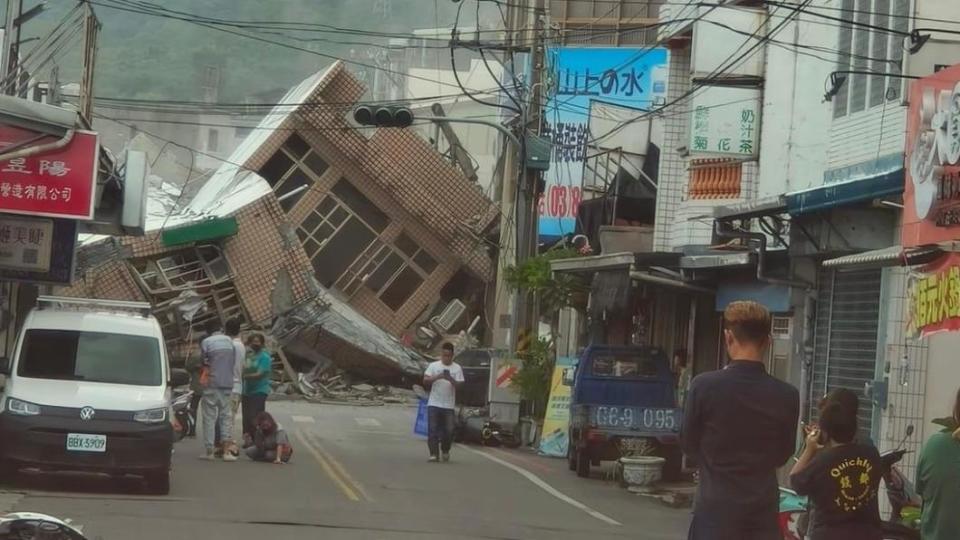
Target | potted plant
(641,469)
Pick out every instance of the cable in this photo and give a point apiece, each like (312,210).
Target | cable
(456,75)
(497,79)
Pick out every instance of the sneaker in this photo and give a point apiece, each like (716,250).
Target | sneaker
(446,457)
(229,456)
(433,459)
(208,456)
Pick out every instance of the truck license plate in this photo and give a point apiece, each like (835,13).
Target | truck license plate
(82,442)
(641,418)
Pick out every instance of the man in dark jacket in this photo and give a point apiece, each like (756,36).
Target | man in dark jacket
(739,426)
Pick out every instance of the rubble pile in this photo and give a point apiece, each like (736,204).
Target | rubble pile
(325,383)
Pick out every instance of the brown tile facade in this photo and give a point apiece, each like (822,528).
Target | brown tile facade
(422,194)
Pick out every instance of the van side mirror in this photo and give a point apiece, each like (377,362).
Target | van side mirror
(568,374)
(179,377)
(4,366)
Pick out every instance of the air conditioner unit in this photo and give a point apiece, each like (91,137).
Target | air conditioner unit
(449,316)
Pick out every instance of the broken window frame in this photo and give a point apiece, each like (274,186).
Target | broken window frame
(301,164)
(164,284)
(345,282)
(408,262)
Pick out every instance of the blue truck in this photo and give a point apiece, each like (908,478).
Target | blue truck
(622,393)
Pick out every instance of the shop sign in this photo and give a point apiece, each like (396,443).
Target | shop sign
(59,183)
(37,249)
(633,78)
(725,121)
(934,297)
(931,212)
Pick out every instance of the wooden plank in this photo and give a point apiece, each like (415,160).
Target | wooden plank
(287,368)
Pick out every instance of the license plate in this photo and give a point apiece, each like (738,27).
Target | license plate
(638,418)
(82,442)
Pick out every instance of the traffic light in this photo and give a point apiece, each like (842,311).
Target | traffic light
(383,116)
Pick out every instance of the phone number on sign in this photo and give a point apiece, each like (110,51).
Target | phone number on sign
(560,201)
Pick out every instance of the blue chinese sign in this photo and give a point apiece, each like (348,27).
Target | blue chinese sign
(634,78)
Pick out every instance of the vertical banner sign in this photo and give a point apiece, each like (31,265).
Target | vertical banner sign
(634,78)
(934,297)
(554,440)
(931,194)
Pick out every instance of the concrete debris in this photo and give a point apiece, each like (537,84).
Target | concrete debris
(327,384)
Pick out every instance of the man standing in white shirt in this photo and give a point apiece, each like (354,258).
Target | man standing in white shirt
(443,378)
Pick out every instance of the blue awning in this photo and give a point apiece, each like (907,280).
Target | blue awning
(844,193)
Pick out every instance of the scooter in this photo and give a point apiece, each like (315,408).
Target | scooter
(901,494)
(184,421)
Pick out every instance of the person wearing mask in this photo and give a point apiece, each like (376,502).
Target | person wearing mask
(739,426)
(840,476)
(270,442)
(938,482)
(442,377)
(256,385)
(219,355)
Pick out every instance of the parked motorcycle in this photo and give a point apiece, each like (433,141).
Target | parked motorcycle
(904,503)
(184,421)
(475,427)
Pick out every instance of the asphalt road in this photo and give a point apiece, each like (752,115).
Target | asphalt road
(356,473)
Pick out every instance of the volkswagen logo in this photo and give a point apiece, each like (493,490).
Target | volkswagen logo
(87,413)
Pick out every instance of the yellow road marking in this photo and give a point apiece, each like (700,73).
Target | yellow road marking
(327,468)
(341,470)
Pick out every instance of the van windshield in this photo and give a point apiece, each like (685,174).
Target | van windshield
(91,356)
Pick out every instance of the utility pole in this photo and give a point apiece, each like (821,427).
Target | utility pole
(10,38)
(516,313)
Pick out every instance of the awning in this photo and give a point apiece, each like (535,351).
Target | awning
(844,193)
(889,256)
(669,282)
(717,260)
(760,207)
(611,261)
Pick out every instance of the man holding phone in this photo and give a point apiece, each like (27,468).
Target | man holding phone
(442,377)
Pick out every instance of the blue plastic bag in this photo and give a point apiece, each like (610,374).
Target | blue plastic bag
(420,425)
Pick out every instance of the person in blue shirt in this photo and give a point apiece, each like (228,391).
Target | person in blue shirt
(256,384)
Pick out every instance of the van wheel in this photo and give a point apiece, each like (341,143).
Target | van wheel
(158,483)
(583,464)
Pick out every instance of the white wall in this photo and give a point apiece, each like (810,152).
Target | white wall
(943,379)
(793,146)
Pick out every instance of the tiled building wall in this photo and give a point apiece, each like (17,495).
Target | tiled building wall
(365,301)
(673,167)
(259,252)
(908,360)
(110,281)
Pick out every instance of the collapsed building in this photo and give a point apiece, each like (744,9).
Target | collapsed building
(350,246)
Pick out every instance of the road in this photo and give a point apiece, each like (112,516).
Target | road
(357,473)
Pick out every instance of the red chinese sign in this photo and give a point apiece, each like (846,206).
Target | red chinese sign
(934,297)
(931,195)
(58,183)
(560,202)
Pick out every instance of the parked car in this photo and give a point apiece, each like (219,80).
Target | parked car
(622,393)
(88,389)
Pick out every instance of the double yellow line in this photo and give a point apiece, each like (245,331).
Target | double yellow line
(352,489)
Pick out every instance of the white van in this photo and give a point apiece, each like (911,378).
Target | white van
(88,389)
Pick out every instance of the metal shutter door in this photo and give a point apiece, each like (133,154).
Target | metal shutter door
(845,343)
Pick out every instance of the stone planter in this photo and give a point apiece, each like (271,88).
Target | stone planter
(642,471)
